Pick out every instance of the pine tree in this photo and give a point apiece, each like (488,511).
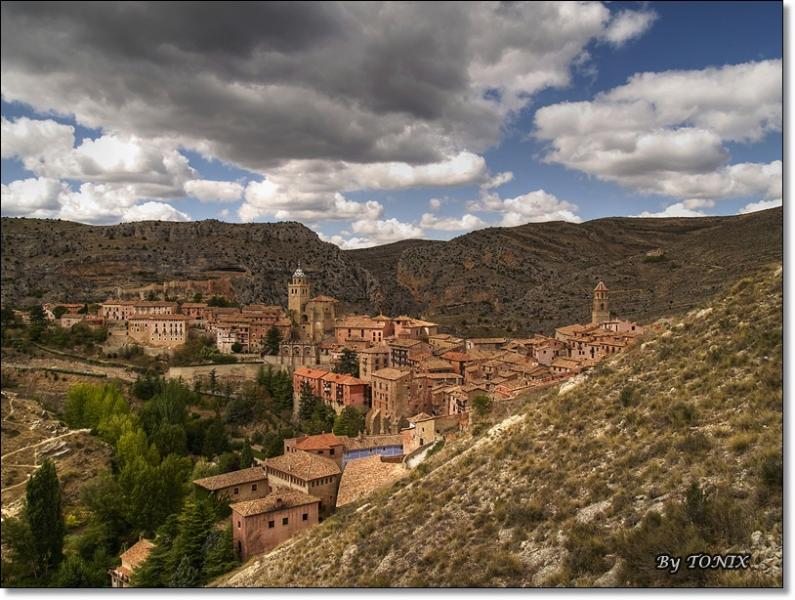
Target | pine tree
(272,340)
(219,554)
(45,516)
(348,363)
(308,402)
(154,572)
(349,422)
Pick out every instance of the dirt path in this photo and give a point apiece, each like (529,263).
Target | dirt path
(41,443)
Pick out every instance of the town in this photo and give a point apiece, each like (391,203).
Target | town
(413,385)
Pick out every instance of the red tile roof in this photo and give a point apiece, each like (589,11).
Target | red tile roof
(318,442)
(217,482)
(279,499)
(137,553)
(303,465)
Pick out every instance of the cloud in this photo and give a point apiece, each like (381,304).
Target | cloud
(90,203)
(627,25)
(666,133)
(154,211)
(33,196)
(761,205)
(357,82)
(532,207)
(314,189)
(352,243)
(205,190)
(674,210)
(387,231)
(435,203)
(466,223)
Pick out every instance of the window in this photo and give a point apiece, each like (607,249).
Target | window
(331,452)
(305,517)
(271,524)
(285,520)
(253,487)
(237,491)
(238,524)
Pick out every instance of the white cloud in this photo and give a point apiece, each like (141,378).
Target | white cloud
(761,205)
(33,196)
(532,207)
(673,210)
(352,243)
(467,222)
(95,203)
(435,203)
(665,133)
(206,190)
(386,231)
(498,180)
(153,211)
(627,25)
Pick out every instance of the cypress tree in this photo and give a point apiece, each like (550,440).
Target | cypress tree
(45,516)
(246,455)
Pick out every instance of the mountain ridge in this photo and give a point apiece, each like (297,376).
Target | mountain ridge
(492,281)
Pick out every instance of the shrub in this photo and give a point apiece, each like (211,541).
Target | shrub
(587,549)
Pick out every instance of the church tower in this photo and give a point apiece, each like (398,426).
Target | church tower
(298,293)
(601,312)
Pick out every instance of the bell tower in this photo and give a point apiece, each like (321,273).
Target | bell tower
(298,294)
(601,310)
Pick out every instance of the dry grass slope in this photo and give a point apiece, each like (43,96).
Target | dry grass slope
(584,488)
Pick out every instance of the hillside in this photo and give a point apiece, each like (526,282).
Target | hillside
(588,483)
(498,280)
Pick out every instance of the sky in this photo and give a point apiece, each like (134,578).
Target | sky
(376,122)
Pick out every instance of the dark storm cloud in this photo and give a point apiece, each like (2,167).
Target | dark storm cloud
(259,84)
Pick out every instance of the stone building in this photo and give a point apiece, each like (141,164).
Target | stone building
(601,309)
(307,473)
(326,445)
(160,331)
(243,484)
(131,559)
(390,396)
(299,291)
(363,329)
(372,359)
(339,390)
(296,353)
(262,524)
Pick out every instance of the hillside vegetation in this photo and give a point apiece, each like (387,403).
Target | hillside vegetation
(671,447)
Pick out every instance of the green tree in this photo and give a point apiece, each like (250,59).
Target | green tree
(59,311)
(215,439)
(307,402)
(237,347)
(19,559)
(482,405)
(45,516)
(272,340)
(348,363)
(154,572)
(219,553)
(197,297)
(349,422)
(246,455)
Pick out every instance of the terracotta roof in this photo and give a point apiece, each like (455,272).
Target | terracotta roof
(279,499)
(137,553)
(217,482)
(420,417)
(343,379)
(311,373)
(390,373)
(496,340)
(318,442)
(363,476)
(404,343)
(456,356)
(303,465)
(194,305)
(361,322)
(568,363)
(375,350)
